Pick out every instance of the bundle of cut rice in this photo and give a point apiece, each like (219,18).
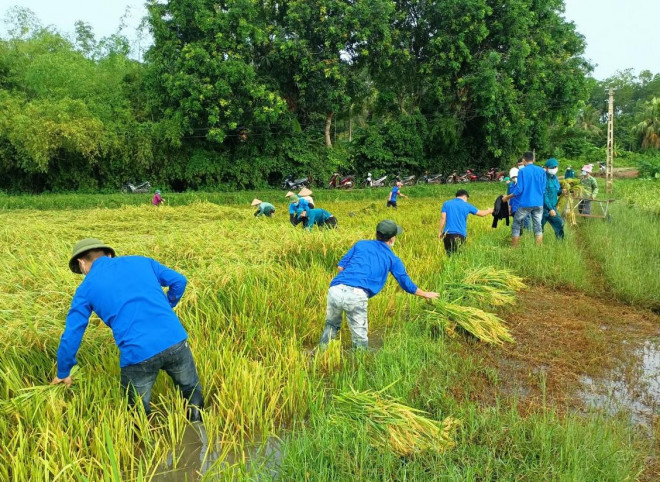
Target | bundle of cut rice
(391,425)
(485,326)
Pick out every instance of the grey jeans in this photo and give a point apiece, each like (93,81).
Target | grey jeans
(536,214)
(353,302)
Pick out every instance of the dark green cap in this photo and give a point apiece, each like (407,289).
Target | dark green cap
(388,228)
(82,246)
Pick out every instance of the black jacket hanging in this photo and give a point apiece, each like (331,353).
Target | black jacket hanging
(500,211)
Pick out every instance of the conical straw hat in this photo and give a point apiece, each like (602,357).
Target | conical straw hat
(255,202)
(289,194)
(305,192)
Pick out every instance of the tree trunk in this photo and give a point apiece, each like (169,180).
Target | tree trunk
(328,124)
(350,124)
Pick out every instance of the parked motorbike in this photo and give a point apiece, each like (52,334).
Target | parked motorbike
(341,182)
(602,168)
(453,178)
(291,184)
(371,182)
(130,188)
(430,179)
(469,176)
(406,181)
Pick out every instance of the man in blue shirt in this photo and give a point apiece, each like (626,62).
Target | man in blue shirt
(396,191)
(362,274)
(551,198)
(453,220)
(513,202)
(529,192)
(127,294)
(320,218)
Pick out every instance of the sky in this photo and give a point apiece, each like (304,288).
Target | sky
(620,34)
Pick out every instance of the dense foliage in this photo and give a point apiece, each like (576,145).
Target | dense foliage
(241,93)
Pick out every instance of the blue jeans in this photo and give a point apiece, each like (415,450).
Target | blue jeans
(555,221)
(352,301)
(178,363)
(535,212)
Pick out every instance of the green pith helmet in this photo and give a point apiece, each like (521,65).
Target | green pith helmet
(388,228)
(84,245)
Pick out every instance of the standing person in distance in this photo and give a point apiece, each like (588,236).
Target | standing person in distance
(362,274)
(453,220)
(570,173)
(551,199)
(513,203)
(127,294)
(589,189)
(396,191)
(529,191)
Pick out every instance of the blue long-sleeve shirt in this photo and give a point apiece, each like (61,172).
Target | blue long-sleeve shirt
(530,187)
(552,190)
(366,266)
(299,207)
(316,216)
(513,202)
(126,293)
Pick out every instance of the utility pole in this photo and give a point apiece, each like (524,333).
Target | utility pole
(609,167)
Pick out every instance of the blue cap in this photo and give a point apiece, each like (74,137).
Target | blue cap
(551,163)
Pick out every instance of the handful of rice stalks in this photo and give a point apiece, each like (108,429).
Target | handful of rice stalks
(485,326)
(391,425)
(489,285)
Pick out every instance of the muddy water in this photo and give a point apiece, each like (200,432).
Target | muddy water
(633,388)
(194,459)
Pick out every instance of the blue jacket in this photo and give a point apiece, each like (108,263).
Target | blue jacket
(127,294)
(513,202)
(299,207)
(366,266)
(552,192)
(530,188)
(316,216)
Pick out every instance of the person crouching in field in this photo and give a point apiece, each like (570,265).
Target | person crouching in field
(298,210)
(306,194)
(396,191)
(320,218)
(157,199)
(362,274)
(263,208)
(453,220)
(126,293)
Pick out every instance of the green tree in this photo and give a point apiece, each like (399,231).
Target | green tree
(648,129)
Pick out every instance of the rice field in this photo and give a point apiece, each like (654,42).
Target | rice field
(254,311)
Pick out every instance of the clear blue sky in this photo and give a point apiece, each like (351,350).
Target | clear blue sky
(620,33)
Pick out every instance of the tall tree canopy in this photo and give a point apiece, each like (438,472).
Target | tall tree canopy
(242,92)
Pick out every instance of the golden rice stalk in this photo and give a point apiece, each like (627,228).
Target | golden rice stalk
(487,327)
(502,279)
(392,426)
(488,285)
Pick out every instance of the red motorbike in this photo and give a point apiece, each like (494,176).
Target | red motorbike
(341,182)
(469,176)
